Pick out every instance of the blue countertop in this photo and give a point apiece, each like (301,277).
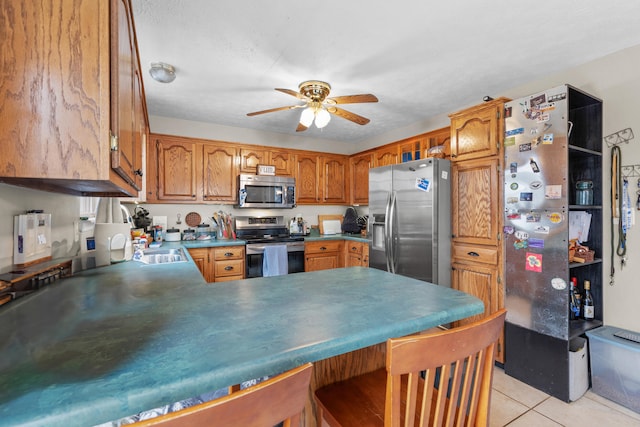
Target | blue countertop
(117,340)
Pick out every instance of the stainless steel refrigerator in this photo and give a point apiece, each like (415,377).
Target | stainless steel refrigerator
(410,219)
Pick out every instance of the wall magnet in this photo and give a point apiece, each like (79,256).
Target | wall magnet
(558,283)
(533,262)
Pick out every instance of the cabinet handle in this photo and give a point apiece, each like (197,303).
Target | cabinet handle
(138,172)
(473,253)
(323,248)
(228,268)
(228,254)
(353,248)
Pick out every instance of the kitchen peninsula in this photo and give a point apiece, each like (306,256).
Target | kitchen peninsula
(117,340)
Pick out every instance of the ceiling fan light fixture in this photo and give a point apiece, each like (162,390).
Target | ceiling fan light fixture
(322,118)
(162,72)
(307,116)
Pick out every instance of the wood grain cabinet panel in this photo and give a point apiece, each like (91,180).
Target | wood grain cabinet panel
(307,179)
(220,180)
(475,202)
(476,132)
(69,85)
(323,255)
(178,170)
(359,170)
(334,179)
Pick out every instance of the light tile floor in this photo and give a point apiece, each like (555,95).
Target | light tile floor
(516,404)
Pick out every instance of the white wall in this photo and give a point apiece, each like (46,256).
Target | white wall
(612,78)
(64,211)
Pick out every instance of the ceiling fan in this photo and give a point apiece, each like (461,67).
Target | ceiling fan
(318,108)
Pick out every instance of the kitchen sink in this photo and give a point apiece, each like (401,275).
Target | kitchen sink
(161,256)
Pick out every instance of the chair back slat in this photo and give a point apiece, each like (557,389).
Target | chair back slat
(462,361)
(281,398)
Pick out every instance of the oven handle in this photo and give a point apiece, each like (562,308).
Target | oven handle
(260,249)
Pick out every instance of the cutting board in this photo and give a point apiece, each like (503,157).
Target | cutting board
(330,224)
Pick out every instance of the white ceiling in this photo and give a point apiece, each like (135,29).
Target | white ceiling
(420,58)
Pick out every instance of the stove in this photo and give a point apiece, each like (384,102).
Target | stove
(260,232)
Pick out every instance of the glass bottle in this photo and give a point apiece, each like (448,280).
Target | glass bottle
(574,302)
(587,306)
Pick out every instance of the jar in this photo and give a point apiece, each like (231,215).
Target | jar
(203,232)
(584,193)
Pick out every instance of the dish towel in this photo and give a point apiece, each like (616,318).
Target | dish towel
(274,260)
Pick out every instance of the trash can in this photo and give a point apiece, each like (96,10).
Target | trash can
(578,368)
(614,366)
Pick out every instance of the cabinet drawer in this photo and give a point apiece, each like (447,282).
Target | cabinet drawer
(229,268)
(354,247)
(323,246)
(229,278)
(228,252)
(484,254)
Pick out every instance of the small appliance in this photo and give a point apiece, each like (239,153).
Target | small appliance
(265,191)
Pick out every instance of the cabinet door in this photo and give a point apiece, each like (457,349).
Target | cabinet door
(315,262)
(178,166)
(283,161)
(307,186)
(334,180)
(353,254)
(475,196)
(220,173)
(388,155)
(475,132)
(359,170)
(480,281)
(439,138)
(250,158)
(412,149)
(202,258)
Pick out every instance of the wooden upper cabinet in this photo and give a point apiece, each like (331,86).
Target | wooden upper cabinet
(475,199)
(412,148)
(359,173)
(56,100)
(476,132)
(387,155)
(335,174)
(307,174)
(220,173)
(250,158)
(178,169)
(126,145)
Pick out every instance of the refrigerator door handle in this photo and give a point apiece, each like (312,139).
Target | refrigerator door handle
(387,232)
(392,234)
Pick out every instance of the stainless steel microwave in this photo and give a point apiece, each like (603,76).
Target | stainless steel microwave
(266,191)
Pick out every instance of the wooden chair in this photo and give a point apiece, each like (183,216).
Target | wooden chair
(439,379)
(281,398)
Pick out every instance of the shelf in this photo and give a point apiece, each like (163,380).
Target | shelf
(582,264)
(584,207)
(584,150)
(580,326)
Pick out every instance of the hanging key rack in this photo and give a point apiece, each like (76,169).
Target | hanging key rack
(617,138)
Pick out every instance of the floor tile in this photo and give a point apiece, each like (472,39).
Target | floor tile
(591,395)
(532,418)
(584,412)
(504,409)
(517,390)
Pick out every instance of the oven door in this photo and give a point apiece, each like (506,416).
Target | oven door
(295,259)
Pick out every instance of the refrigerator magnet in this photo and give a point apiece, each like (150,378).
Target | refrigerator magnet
(558,283)
(553,191)
(423,184)
(547,139)
(526,197)
(524,147)
(541,229)
(555,217)
(536,243)
(533,262)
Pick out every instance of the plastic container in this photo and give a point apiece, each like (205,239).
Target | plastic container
(203,232)
(578,368)
(614,366)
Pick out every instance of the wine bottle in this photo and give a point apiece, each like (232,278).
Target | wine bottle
(574,302)
(588,307)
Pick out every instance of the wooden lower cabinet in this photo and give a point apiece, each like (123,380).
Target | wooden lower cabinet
(356,254)
(323,255)
(219,264)
(481,281)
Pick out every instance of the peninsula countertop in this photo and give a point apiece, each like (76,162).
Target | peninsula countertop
(117,340)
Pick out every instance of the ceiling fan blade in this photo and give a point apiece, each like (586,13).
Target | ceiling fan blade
(348,115)
(301,127)
(352,99)
(293,93)
(272,110)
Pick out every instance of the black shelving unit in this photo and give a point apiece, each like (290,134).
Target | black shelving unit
(539,331)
